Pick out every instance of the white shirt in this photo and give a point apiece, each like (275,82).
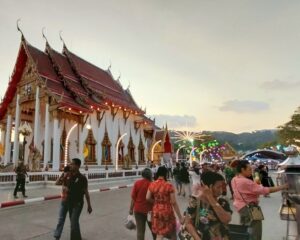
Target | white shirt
(195,177)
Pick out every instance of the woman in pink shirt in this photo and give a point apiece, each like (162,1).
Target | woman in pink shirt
(246,191)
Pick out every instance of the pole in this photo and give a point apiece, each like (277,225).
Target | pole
(201,155)
(67,143)
(177,152)
(117,150)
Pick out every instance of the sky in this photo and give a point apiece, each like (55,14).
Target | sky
(196,64)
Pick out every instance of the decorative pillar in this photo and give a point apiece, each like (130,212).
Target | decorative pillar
(7,140)
(56,146)
(36,116)
(47,144)
(16,137)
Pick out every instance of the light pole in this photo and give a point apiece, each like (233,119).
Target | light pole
(193,149)
(66,143)
(117,150)
(177,152)
(152,150)
(201,155)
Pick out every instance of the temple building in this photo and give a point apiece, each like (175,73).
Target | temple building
(58,106)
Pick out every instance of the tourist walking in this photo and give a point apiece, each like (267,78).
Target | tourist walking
(184,178)
(229,173)
(21,179)
(194,173)
(78,188)
(246,194)
(207,214)
(162,194)
(176,174)
(139,206)
(64,181)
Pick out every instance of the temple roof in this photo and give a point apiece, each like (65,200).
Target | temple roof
(79,84)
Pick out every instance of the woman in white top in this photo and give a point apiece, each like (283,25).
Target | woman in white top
(194,173)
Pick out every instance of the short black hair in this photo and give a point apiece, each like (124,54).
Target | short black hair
(147,174)
(210,178)
(162,172)
(241,164)
(67,168)
(77,161)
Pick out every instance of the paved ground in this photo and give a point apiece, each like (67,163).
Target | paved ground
(37,221)
(38,191)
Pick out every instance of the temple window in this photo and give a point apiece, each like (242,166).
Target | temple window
(141,152)
(131,148)
(106,148)
(91,147)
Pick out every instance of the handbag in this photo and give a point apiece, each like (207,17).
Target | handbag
(254,211)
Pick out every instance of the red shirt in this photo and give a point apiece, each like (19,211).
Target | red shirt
(138,194)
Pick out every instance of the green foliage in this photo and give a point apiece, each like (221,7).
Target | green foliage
(289,133)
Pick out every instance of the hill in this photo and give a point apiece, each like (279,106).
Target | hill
(245,141)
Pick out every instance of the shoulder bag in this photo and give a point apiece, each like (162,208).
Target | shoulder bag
(254,211)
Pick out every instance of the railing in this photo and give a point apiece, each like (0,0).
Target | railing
(53,176)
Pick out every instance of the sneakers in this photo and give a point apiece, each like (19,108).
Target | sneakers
(25,196)
(15,196)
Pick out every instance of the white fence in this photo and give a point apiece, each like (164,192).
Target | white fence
(91,175)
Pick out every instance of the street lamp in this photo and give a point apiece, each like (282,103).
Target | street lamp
(117,150)
(177,152)
(66,143)
(152,150)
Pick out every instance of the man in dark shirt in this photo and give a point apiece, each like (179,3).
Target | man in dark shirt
(21,177)
(77,189)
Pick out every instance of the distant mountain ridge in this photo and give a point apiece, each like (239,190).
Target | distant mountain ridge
(245,141)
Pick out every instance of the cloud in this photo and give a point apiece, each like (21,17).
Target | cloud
(175,121)
(247,106)
(280,85)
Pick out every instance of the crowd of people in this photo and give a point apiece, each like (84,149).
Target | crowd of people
(153,199)
(208,211)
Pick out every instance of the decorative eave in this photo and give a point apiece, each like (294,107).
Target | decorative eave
(81,101)
(96,96)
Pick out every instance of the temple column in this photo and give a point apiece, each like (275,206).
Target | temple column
(7,140)
(56,146)
(16,137)
(47,137)
(36,117)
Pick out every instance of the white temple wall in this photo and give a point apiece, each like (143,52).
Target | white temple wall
(113,127)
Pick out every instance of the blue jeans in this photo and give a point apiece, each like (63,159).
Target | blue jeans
(61,219)
(74,212)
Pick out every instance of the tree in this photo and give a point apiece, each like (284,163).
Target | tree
(289,133)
